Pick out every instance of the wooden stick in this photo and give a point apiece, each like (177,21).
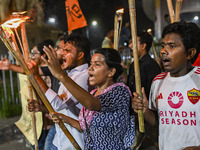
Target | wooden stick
(115,32)
(117,29)
(178,9)
(171,10)
(17,55)
(155,54)
(30,89)
(136,61)
(20,43)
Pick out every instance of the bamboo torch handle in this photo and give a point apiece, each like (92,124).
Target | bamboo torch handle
(171,10)
(178,9)
(136,61)
(30,89)
(115,32)
(156,56)
(25,41)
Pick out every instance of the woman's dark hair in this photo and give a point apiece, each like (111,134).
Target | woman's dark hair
(112,59)
(189,32)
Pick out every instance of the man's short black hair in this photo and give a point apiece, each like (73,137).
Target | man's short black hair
(189,32)
(145,37)
(82,43)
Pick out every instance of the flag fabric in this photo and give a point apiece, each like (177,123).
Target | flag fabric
(75,17)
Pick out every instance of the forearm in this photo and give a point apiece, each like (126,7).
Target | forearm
(192,148)
(16,68)
(72,122)
(43,86)
(44,109)
(81,95)
(150,117)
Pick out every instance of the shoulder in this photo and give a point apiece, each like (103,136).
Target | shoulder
(160,76)
(120,87)
(197,70)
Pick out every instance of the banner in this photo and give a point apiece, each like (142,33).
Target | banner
(75,17)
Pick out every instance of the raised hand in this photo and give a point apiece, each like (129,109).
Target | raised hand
(52,62)
(4,64)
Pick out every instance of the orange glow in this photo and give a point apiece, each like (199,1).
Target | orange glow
(120,11)
(8,31)
(19,13)
(14,23)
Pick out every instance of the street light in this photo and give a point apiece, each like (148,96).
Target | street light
(94,23)
(52,20)
(196,18)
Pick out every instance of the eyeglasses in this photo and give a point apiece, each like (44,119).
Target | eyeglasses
(58,47)
(34,53)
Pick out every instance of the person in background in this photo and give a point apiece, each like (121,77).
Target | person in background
(107,42)
(174,95)
(148,70)
(125,34)
(166,21)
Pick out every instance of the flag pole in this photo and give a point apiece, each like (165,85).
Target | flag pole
(136,60)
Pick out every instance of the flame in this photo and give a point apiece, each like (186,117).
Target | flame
(14,23)
(7,31)
(120,11)
(19,13)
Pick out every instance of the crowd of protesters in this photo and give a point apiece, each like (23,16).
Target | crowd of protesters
(100,112)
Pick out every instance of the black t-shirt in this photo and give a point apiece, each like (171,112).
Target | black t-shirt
(148,70)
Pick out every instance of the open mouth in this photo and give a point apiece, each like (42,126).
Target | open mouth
(90,75)
(64,60)
(165,61)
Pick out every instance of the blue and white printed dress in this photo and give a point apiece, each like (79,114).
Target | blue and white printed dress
(113,127)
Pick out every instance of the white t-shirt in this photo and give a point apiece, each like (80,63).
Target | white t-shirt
(69,106)
(177,101)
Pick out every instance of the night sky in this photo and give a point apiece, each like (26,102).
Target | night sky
(102,11)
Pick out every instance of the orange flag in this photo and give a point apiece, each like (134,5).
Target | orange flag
(75,16)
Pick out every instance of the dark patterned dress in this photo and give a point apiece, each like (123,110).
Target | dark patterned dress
(113,127)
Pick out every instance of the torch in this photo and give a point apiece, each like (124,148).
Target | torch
(136,60)
(8,38)
(117,27)
(25,50)
(154,49)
